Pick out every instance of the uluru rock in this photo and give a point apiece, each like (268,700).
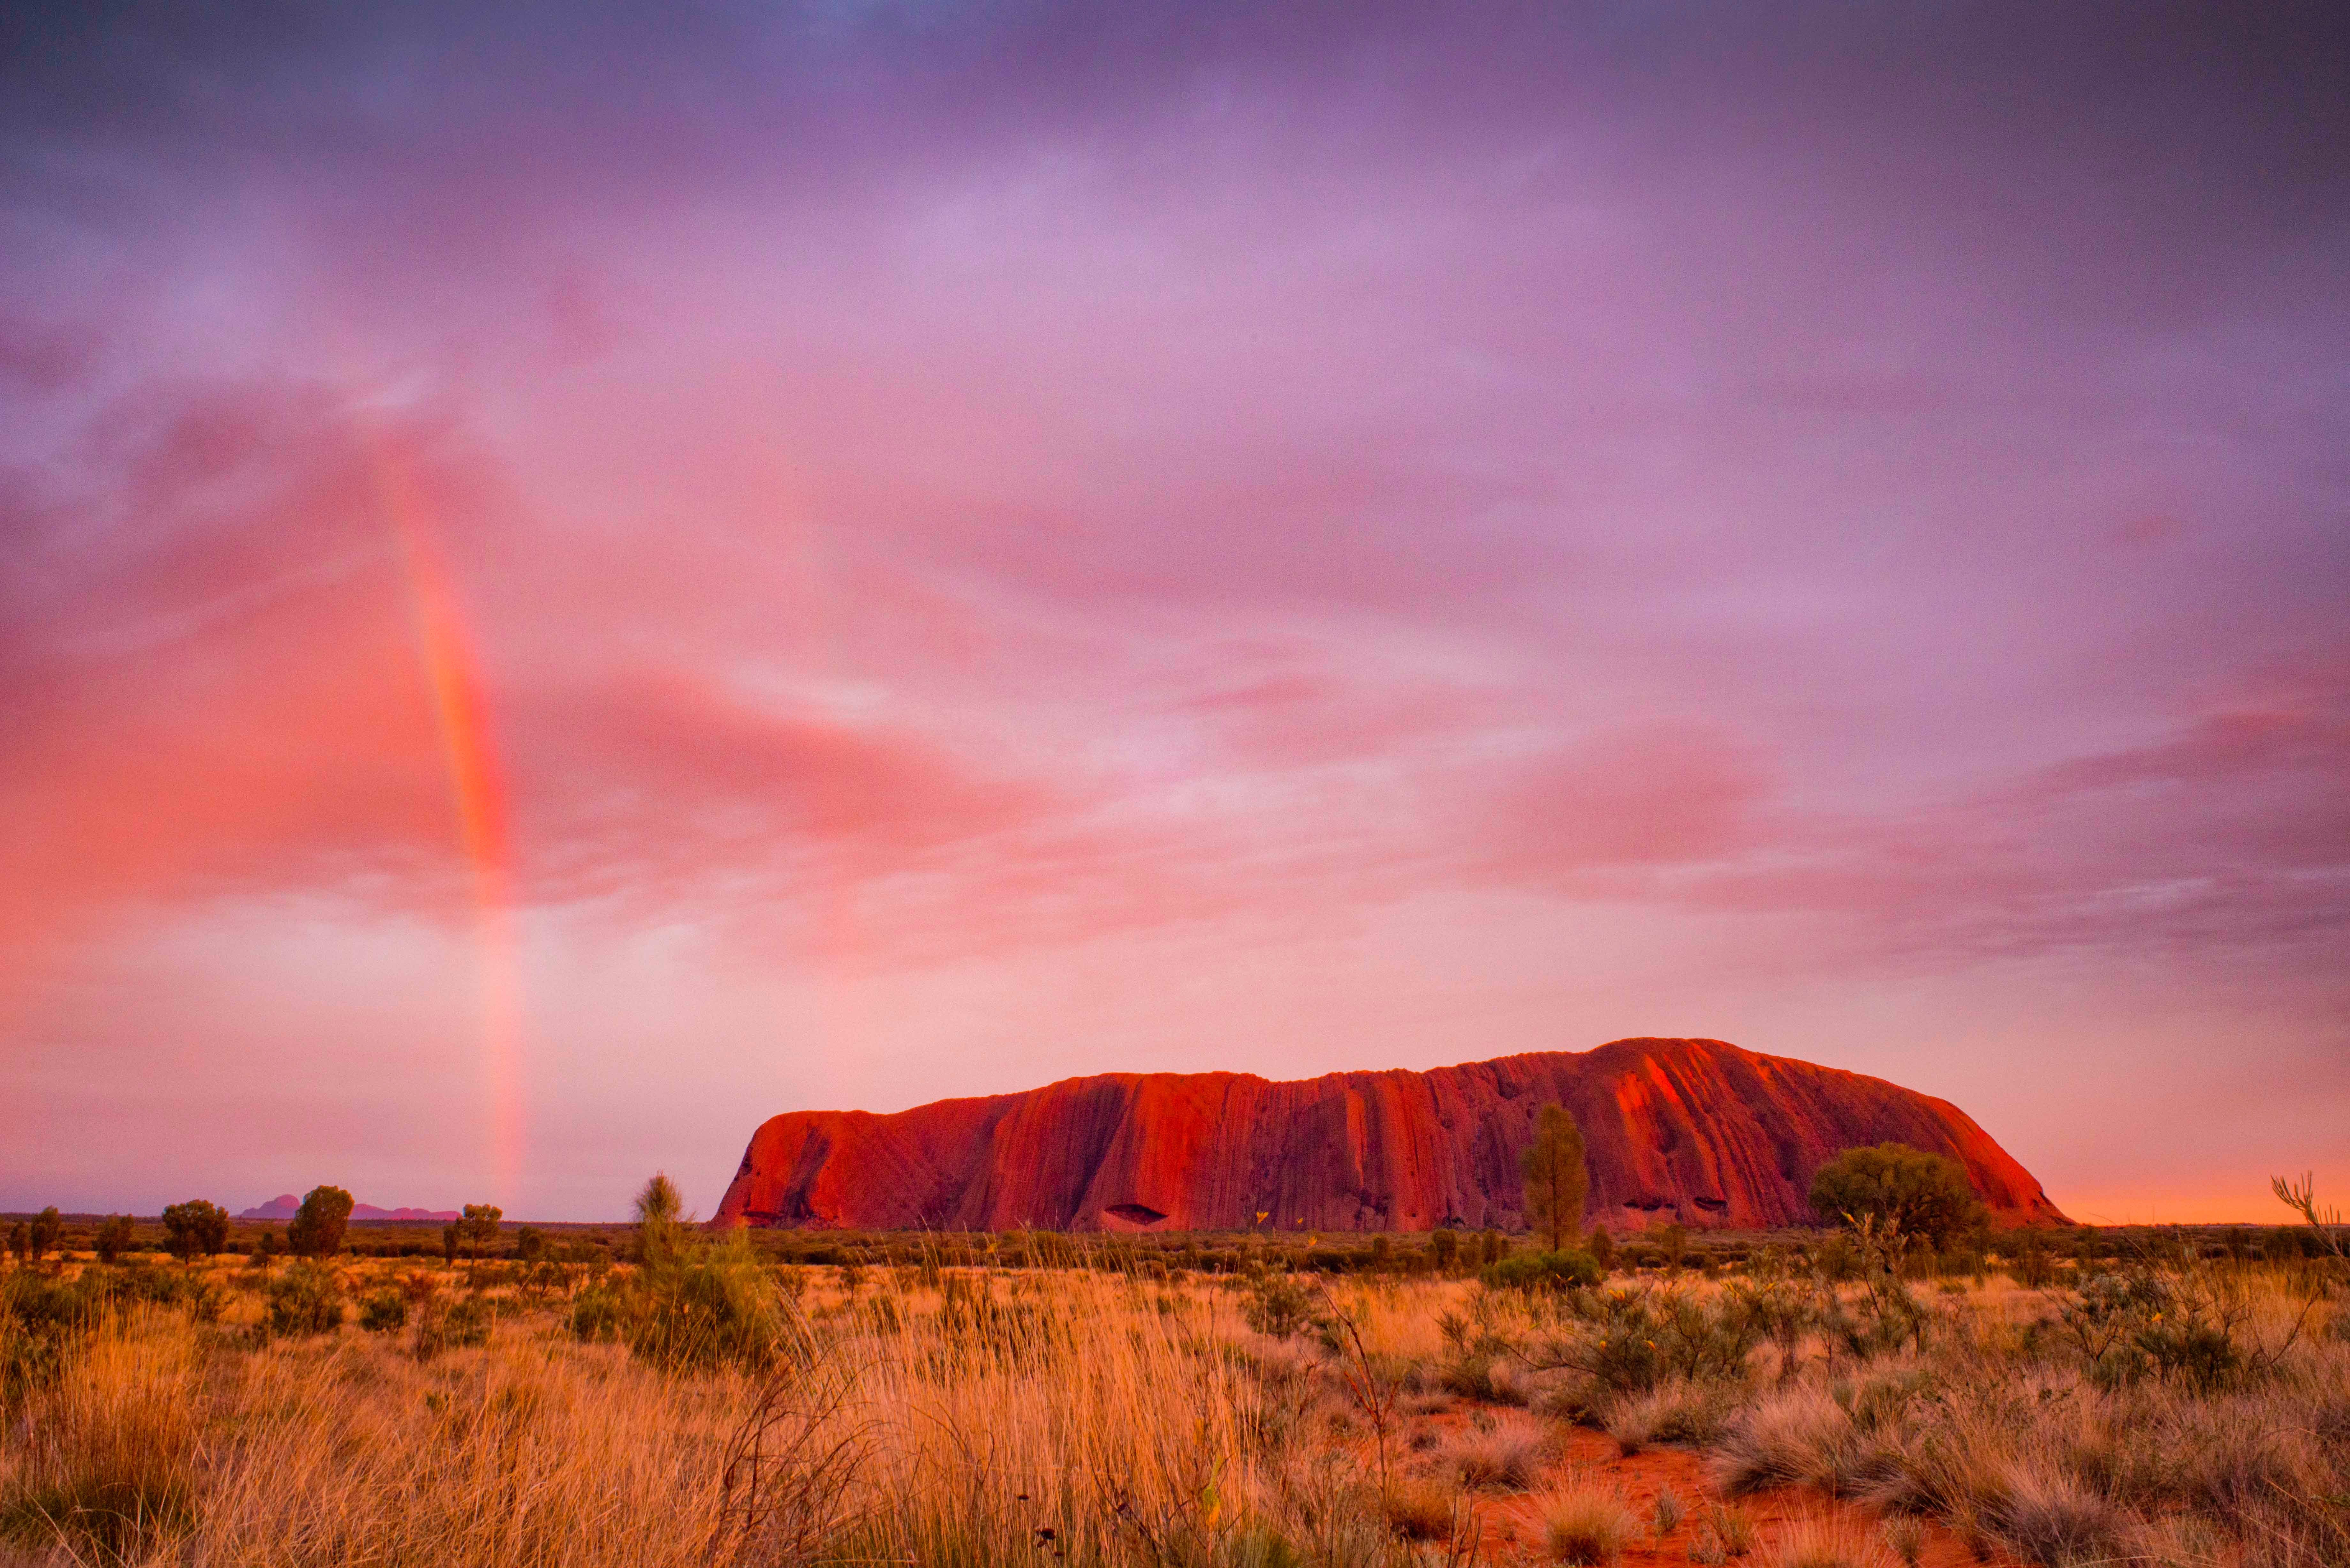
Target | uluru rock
(1693,1130)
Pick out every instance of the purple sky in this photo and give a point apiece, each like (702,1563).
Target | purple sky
(572,587)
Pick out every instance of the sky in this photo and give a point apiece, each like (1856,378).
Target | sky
(575,578)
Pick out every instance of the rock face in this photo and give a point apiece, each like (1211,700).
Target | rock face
(1692,1130)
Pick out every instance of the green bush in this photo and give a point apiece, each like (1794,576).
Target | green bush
(1278,1305)
(1561,1270)
(383,1313)
(304,1298)
(1926,1195)
(38,1315)
(1628,1342)
(2142,1323)
(692,1302)
(598,1314)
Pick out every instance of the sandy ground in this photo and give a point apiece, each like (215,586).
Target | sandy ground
(1511,1527)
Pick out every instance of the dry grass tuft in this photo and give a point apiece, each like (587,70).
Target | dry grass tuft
(1802,1437)
(102,1463)
(1585,1526)
(1825,1543)
(1905,1537)
(1678,1412)
(1506,1459)
(1732,1527)
(2047,1517)
(1420,1509)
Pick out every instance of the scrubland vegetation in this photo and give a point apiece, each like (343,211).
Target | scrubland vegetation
(1791,1402)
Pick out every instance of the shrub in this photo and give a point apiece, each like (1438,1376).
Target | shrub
(462,1325)
(1586,1527)
(692,1303)
(1279,1306)
(385,1311)
(1904,1536)
(1602,1248)
(1925,1195)
(49,1229)
(38,1315)
(598,1312)
(1628,1342)
(304,1298)
(1545,1272)
(142,1282)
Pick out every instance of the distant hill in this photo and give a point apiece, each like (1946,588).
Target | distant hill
(1692,1130)
(285,1206)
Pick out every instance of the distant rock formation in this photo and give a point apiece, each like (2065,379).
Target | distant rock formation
(1690,1130)
(285,1206)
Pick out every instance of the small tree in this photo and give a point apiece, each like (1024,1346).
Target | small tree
(530,1244)
(20,1242)
(479,1229)
(1494,1248)
(113,1238)
(1446,1245)
(48,1226)
(1556,1182)
(319,1225)
(195,1229)
(1926,1195)
(660,1228)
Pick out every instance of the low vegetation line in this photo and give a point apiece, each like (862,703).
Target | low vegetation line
(1878,1397)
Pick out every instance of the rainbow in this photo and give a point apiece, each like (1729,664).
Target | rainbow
(477,787)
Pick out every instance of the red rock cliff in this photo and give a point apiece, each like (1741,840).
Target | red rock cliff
(1689,1129)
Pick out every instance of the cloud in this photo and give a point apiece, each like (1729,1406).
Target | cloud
(1615,504)
(2230,831)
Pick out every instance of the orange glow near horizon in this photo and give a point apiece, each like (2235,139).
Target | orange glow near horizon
(477,788)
